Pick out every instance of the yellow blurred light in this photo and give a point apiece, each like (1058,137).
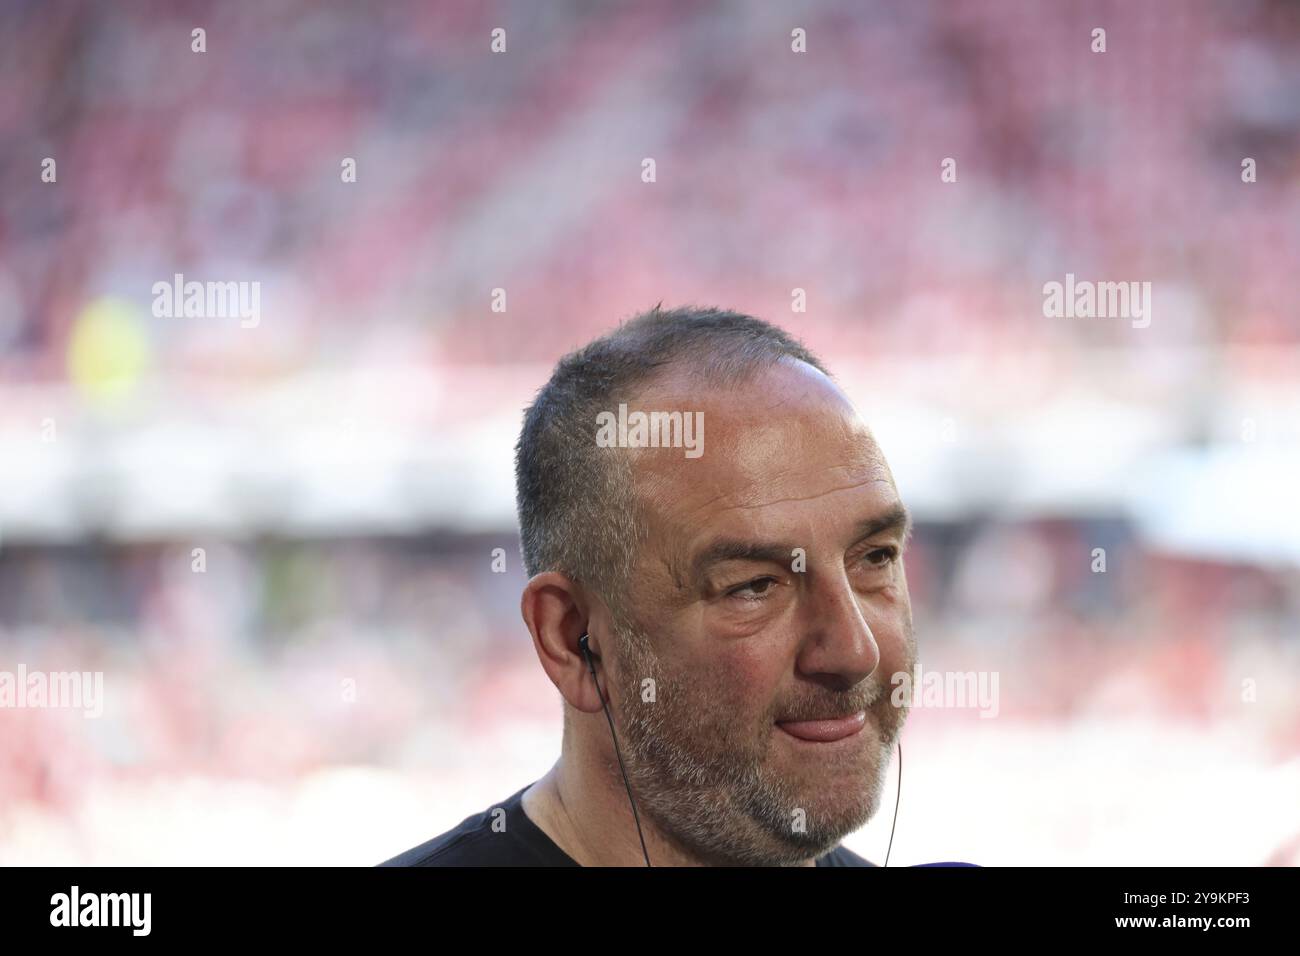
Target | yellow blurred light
(108,350)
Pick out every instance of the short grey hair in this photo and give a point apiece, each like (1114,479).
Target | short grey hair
(577,513)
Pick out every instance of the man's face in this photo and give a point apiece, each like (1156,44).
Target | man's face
(741,633)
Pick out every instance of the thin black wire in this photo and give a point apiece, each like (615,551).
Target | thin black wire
(897,794)
(617,752)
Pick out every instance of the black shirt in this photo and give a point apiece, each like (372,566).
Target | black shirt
(521,842)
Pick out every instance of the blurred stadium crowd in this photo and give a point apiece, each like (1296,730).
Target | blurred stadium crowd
(345,465)
(1124,164)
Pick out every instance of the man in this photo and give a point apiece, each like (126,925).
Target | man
(742,601)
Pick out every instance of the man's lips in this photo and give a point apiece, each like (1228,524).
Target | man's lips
(824,731)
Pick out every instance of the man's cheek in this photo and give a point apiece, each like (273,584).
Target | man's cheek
(740,682)
(896,655)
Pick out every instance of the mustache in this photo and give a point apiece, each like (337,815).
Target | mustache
(866,696)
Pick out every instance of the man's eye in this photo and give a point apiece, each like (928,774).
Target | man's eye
(880,557)
(750,590)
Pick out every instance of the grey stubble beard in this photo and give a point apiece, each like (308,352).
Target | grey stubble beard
(703,780)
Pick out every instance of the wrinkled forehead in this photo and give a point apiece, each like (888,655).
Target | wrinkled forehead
(786,435)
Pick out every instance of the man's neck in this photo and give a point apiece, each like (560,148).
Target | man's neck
(585,822)
(593,823)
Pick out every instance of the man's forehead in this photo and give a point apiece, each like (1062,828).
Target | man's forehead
(784,417)
(782,437)
(801,508)
(756,484)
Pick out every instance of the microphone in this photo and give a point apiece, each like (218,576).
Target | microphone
(586,653)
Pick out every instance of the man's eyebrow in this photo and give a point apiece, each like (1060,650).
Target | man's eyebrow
(734,550)
(895,518)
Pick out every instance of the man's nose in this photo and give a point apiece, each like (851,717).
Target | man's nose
(839,647)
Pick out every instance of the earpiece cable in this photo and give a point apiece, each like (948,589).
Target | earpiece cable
(586,652)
